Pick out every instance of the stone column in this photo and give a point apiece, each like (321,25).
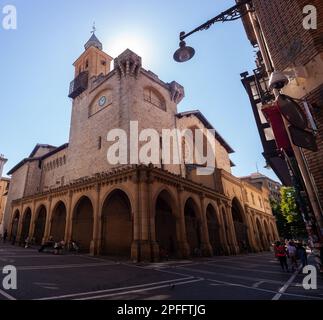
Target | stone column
(135,246)
(251,231)
(222,230)
(97,223)
(143,248)
(183,247)
(69,218)
(32,220)
(206,247)
(19,229)
(48,221)
(11,222)
(234,245)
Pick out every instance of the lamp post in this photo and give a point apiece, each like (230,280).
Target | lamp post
(185,53)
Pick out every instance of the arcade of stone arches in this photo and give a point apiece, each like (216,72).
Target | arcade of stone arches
(119,221)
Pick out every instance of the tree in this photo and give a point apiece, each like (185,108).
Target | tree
(290,211)
(289,220)
(281,221)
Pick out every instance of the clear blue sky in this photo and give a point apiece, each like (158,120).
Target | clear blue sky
(36,67)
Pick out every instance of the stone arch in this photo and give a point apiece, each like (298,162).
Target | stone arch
(26,221)
(15,224)
(82,223)
(240,226)
(154,97)
(116,226)
(192,225)
(172,195)
(165,224)
(225,225)
(40,224)
(58,221)
(213,229)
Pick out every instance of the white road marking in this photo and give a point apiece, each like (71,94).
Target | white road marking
(64,266)
(286,285)
(228,275)
(245,269)
(257,284)
(264,290)
(140,290)
(173,281)
(7,295)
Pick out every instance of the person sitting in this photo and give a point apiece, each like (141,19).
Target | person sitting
(27,242)
(59,247)
(49,244)
(74,246)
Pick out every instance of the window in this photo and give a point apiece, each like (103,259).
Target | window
(253,198)
(86,64)
(99,143)
(152,96)
(260,202)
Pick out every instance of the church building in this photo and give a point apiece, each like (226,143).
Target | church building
(138,211)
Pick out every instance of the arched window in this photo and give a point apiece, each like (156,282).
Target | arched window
(152,96)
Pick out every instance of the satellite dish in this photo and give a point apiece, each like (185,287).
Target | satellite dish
(292,111)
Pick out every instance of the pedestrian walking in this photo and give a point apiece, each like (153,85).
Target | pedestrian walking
(280,252)
(291,251)
(301,254)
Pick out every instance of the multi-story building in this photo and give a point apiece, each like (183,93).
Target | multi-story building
(4,188)
(290,43)
(261,180)
(136,209)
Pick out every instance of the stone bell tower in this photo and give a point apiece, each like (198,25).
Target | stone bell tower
(93,62)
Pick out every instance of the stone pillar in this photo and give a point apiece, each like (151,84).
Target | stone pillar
(97,223)
(143,248)
(206,247)
(135,246)
(69,218)
(183,247)
(251,231)
(258,234)
(222,230)
(11,222)
(32,220)
(48,223)
(19,229)
(234,245)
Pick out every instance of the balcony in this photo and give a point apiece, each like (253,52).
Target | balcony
(79,85)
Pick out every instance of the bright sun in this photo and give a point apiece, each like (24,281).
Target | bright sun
(134,42)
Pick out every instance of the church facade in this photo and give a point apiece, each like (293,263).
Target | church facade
(135,210)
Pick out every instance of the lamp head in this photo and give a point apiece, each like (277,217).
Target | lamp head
(184,53)
(277,80)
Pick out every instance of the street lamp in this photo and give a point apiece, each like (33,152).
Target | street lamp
(185,53)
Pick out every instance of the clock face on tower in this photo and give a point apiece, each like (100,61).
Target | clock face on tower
(102,101)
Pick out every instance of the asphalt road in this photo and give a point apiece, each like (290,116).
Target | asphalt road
(46,276)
